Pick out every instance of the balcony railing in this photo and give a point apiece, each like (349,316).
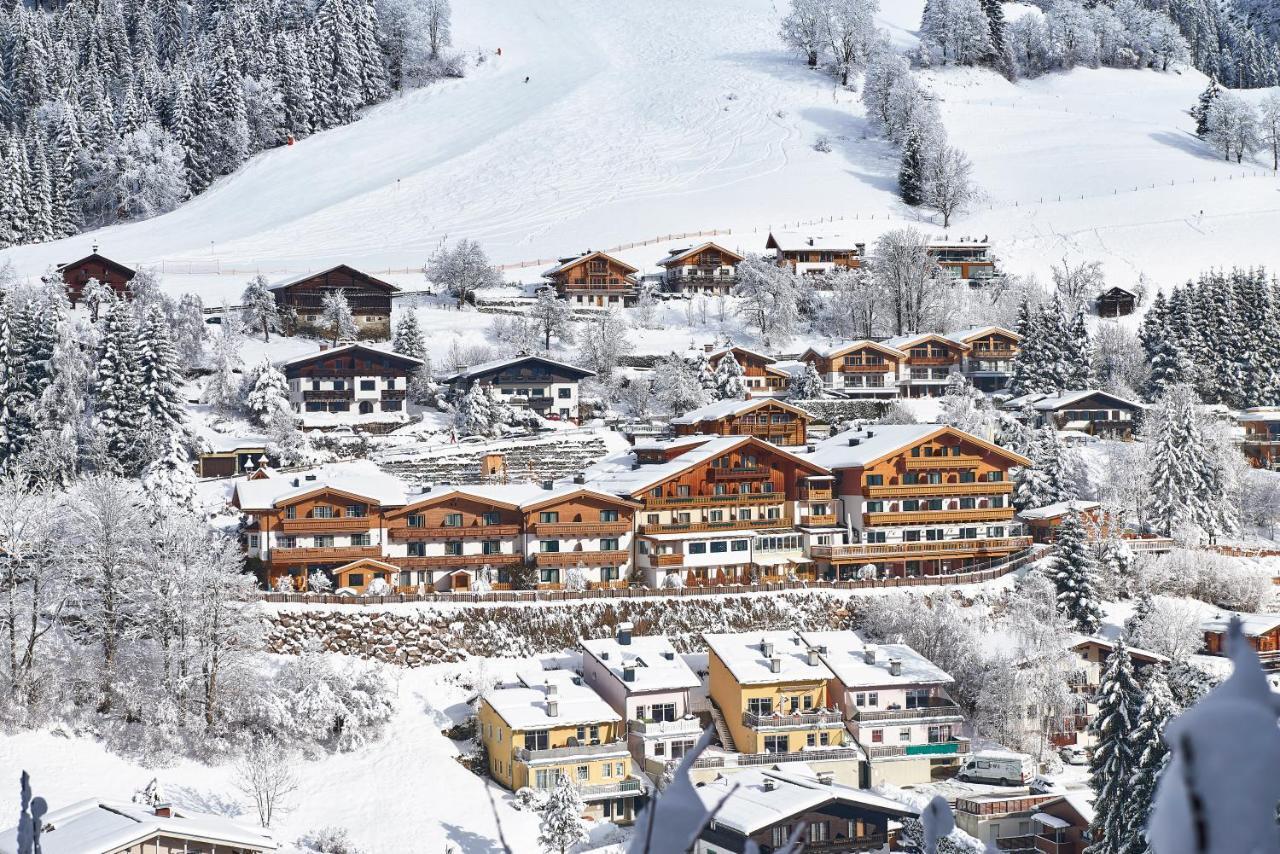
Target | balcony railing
(739,759)
(820,519)
(739,473)
(624,788)
(458,561)
(932,360)
(993,355)
(683,726)
(451,532)
(921,517)
(811,494)
(525,754)
(883,368)
(326,553)
(917,463)
(596,558)
(938,490)
(580,529)
(937,748)
(393,394)
(731,525)
(666,560)
(790,721)
(338,523)
(937,707)
(329,395)
(873,551)
(727,500)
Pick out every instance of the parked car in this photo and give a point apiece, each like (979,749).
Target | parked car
(1073,755)
(1046,786)
(999,767)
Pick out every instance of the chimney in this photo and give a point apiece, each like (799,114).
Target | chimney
(775,664)
(95,247)
(669,655)
(855,442)
(553,690)
(548,484)
(870,435)
(809,241)
(895,667)
(324,345)
(580,478)
(629,673)
(811,448)
(825,778)
(769,784)
(813,657)
(604,655)
(708,348)
(869,654)
(553,707)
(624,633)
(162,810)
(766,649)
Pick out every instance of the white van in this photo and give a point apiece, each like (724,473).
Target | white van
(998,766)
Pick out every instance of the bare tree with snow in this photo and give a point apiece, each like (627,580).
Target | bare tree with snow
(803,29)
(336,316)
(462,270)
(946,181)
(265,775)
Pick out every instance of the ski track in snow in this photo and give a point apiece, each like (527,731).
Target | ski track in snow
(628,130)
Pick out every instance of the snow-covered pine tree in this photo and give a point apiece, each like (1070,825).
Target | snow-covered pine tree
(336,317)
(1115,758)
(222,387)
(160,389)
(676,386)
(259,307)
(909,168)
(1152,755)
(1072,571)
(1079,355)
(553,317)
(118,402)
(807,385)
(407,339)
(730,382)
(1200,112)
(1187,486)
(562,826)
(267,393)
(474,414)
(168,478)
(1043,482)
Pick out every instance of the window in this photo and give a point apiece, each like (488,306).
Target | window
(417,521)
(321,511)
(682,490)
(324,542)
(875,480)
(911,505)
(491,547)
(452,520)
(663,712)
(996,531)
(875,507)
(651,519)
(911,536)
(253,541)
(548,545)
(776,744)
(549,576)
(548,517)
(367,385)
(781,835)
(359,539)
(697,548)
(968,503)
(607,770)
(719,547)
(873,698)
(453,548)
(934,534)
(935,503)
(967,476)
(811,739)
(659,748)
(608,573)
(875,536)
(418,549)
(564,393)
(609,544)
(968,533)
(824,739)
(490,518)
(356,511)
(760,705)
(904,734)
(877,736)
(859,699)
(739,545)
(715,516)
(766,487)
(582,773)
(818,831)
(355,579)
(608,515)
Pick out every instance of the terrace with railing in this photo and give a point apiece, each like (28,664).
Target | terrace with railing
(935,707)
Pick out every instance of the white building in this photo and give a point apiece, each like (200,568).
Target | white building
(548,387)
(350,380)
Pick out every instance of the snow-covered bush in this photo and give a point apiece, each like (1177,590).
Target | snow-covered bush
(328,840)
(1220,580)
(822,144)
(575,577)
(378,587)
(529,799)
(318,582)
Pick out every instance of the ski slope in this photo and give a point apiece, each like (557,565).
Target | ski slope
(663,117)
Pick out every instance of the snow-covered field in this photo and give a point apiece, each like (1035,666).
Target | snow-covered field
(626,131)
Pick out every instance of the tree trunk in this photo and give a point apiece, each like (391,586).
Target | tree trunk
(813,59)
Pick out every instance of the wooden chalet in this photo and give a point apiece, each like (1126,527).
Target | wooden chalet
(760,375)
(1043,824)
(1261,442)
(548,387)
(921,499)
(765,418)
(369,298)
(1091,411)
(352,378)
(1043,522)
(441,540)
(1117,301)
(1261,632)
(988,364)
(234,458)
(814,255)
(1092,653)
(574,526)
(76,274)
(930,361)
(862,369)
(594,279)
(706,269)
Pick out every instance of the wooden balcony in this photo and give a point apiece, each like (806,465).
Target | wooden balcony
(729,526)
(458,561)
(666,560)
(942,549)
(932,361)
(393,394)
(816,519)
(580,529)
(612,558)
(329,395)
(727,500)
(451,532)
(813,494)
(740,473)
(924,517)
(919,463)
(339,523)
(993,355)
(331,553)
(882,368)
(938,490)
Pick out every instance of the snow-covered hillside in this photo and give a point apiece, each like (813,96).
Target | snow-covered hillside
(626,130)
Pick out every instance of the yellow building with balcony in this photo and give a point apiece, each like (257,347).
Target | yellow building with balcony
(769,696)
(550,725)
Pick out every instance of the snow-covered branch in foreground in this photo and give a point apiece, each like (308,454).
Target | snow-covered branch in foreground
(1219,792)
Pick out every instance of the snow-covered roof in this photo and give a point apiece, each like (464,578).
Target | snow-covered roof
(730,407)
(716,354)
(1122,288)
(1261,413)
(570,263)
(1082,803)
(743,653)
(699,536)
(1252,624)
(751,800)
(797,241)
(654,661)
(1063,399)
(970,334)
(345,348)
(668,444)
(524,706)
(873,443)
(1059,508)
(906,342)
(831,349)
(1050,820)
(676,254)
(91,826)
(1146,655)
(499,364)
(846,655)
(621,475)
(359,477)
(302,277)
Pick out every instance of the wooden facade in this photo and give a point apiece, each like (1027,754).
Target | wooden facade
(860,369)
(838,826)
(352,378)
(759,374)
(706,269)
(233,461)
(966,260)
(369,298)
(771,420)
(548,387)
(594,279)
(988,364)
(1261,442)
(1116,301)
(929,363)
(76,274)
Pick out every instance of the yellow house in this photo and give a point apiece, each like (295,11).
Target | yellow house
(772,692)
(551,725)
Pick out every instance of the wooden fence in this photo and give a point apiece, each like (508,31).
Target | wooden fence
(510,597)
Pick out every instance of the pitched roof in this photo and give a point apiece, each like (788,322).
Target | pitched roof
(795,241)
(1059,508)
(846,655)
(359,274)
(970,334)
(1253,625)
(906,342)
(743,653)
(89,826)
(677,254)
(1063,399)
(654,661)
(343,349)
(361,479)
(860,448)
(496,365)
(101,259)
(567,264)
(716,354)
(731,407)
(524,706)
(753,799)
(831,351)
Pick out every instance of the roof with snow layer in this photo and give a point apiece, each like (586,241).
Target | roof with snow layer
(525,706)
(90,826)
(352,271)
(492,367)
(730,407)
(678,254)
(1063,399)
(570,263)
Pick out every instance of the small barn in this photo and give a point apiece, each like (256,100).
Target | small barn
(1117,301)
(76,274)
